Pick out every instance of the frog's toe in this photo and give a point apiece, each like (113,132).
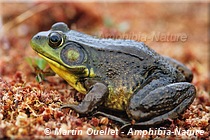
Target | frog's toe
(77,108)
(112,117)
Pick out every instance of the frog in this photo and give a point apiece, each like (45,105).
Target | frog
(118,75)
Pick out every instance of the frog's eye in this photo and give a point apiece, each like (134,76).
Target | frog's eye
(73,54)
(55,39)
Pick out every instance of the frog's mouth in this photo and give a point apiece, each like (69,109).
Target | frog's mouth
(53,62)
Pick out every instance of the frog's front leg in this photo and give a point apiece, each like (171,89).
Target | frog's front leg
(94,97)
(160,100)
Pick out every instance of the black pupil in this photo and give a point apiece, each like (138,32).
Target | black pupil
(54,38)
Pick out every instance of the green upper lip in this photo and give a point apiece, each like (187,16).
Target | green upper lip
(50,60)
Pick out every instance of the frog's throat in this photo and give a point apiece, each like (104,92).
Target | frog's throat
(65,74)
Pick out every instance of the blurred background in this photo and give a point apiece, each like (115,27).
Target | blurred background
(178,30)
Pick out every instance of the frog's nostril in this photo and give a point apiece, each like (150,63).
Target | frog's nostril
(37,37)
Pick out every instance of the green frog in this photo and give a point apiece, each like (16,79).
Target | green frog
(119,75)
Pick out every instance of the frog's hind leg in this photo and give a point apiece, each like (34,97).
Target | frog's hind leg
(181,67)
(153,105)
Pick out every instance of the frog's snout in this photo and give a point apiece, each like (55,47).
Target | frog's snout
(36,37)
(39,40)
(40,36)
(35,41)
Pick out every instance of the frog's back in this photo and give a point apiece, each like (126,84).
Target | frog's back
(119,45)
(117,58)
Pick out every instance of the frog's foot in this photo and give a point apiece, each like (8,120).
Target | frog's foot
(162,103)
(187,73)
(94,97)
(111,117)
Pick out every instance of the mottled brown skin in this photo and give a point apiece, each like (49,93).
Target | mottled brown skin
(118,74)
